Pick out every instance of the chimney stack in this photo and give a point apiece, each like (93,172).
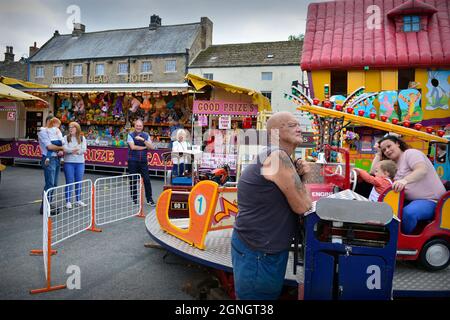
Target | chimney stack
(33,50)
(155,22)
(56,33)
(9,55)
(78,29)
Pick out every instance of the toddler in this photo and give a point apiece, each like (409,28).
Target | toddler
(55,137)
(384,173)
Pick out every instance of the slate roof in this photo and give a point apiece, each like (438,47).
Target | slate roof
(119,43)
(249,54)
(337,35)
(16,70)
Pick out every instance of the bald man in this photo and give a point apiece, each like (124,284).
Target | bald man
(271,194)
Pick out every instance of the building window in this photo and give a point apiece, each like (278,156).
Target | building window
(411,23)
(100,69)
(338,83)
(266,76)
(268,95)
(57,71)
(146,67)
(123,68)
(171,66)
(405,76)
(208,76)
(77,70)
(39,73)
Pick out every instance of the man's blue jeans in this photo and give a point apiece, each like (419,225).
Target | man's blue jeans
(257,275)
(51,174)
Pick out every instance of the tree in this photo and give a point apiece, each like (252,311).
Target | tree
(300,37)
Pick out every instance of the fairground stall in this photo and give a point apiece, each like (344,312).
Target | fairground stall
(106,113)
(21,115)
(221,114)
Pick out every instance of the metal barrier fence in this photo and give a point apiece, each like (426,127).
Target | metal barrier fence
(117,198)
(73,208)
(70,213)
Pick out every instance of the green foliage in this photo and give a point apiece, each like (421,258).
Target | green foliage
(299,37)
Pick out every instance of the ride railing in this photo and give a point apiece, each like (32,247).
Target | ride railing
(211,208)
(70,209)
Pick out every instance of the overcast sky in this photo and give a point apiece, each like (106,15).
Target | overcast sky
(23,22)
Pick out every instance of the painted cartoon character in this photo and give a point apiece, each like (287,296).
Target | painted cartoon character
(409,103)
(438,89)
(387,100)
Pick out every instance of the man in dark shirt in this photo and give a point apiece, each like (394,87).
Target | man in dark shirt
(270,196)
(138,144)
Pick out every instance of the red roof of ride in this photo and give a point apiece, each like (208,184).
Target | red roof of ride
(338,37)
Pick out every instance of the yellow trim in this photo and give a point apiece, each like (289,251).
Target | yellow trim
(372,81)
(354,79)
(319,79)
(8,92)
(389,80)
(445,216)
(392,198)
(372,123)
(26,84)
(257,97)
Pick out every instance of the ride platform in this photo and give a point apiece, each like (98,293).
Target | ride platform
(410,281)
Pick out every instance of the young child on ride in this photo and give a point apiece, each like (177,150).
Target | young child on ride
(384,174)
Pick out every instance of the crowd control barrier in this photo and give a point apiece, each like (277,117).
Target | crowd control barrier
(107,200)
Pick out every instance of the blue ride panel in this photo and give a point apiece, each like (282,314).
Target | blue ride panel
(350,251)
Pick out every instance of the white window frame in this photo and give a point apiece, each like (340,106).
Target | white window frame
(54,71)
(118,68)
(266,73)
(142,65)
(166,64)
(264,92)
(208,75)
(96,70)
(36,73)
(74,67)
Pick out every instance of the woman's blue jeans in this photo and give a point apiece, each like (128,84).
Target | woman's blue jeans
(257,275)
(74,173)
(415,211)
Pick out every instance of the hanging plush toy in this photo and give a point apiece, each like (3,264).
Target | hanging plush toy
(135,104)
(66,104)
(118,107)
(146,105)
(79,106)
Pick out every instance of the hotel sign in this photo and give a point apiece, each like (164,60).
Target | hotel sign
(132,78)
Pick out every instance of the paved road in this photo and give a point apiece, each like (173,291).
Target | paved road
(114,264)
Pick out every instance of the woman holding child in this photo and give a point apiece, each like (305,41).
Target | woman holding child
(417,176)
(74,149)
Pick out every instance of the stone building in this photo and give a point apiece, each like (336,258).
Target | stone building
(11,68)
(157,53)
